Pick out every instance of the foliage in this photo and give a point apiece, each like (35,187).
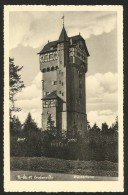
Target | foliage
(98,144)
(105,128)
(50,123)
(27,142)
(29,124)
(43,164)
(15,126)
(115,125)
(15,84)
(51,129)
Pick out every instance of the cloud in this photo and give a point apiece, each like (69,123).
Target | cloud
(31,91)
(29,100)
(36,28)
(102,97)
(101,116)
(102,88)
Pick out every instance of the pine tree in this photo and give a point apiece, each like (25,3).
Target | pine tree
(29,124)
(105,128)
(50,123)
(115,126)
(88,125)
(15,126)
(95,128)
(15,84)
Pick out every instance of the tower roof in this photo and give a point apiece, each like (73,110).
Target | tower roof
(52,95)
(63,35)
(50,46)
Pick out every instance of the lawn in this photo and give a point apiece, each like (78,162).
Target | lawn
(53,165)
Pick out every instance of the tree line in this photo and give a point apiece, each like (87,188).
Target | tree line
(28,139)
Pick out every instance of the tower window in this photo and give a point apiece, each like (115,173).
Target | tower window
(59,92)
(52,68)
(42,84)
(51,56)
(62,94)
(54,82)
(44,70)
(59,82)
(48,69)
(46,93)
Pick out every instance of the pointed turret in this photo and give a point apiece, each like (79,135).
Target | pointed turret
(63,35)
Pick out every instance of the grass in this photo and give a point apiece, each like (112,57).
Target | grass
(44,164)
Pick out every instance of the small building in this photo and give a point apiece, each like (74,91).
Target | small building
(63,64)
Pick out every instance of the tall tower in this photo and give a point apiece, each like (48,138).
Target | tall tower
(63,64)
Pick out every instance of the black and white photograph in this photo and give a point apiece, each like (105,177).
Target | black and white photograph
(63,105)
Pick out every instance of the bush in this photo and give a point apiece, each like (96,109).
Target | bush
(43,164)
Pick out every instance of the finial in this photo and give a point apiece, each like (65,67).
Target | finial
(63,19)
(48,41)
(79,33)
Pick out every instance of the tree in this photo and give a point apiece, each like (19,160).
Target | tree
(33,137)
(15,84)
(88,125)
(105,128)
(50,123)
(15,126)
(29,124)
(95,128)
(115,126)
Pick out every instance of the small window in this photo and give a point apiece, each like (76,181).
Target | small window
(59,92)
(44,70)
(62,83)
(48,69)
(59,82)
(59,71)
(54,82)
(62,94)
(51,56)
(62,73)
(52,68)
(46,93)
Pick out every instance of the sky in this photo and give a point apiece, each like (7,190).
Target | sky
(30,31)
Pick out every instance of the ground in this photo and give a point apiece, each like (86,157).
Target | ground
(59,169)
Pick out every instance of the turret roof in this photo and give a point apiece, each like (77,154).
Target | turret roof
(63,35)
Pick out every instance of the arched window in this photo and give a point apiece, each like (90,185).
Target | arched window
(52,68)
(56,67)
(44,70)
(48,69)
